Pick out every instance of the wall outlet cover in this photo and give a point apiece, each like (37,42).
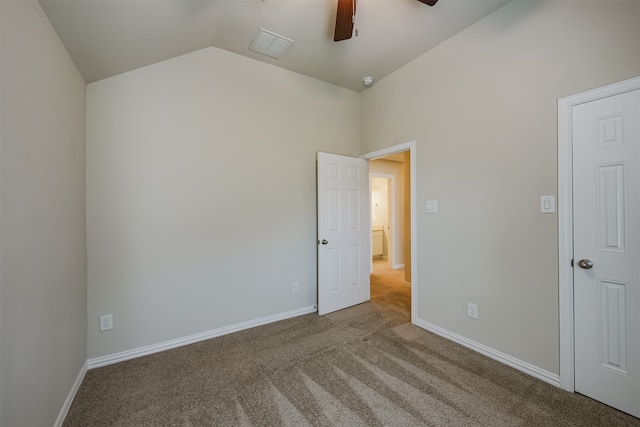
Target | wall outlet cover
(472,311)
(106,322)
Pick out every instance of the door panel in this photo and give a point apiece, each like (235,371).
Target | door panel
(612,230)
(606,164)
(343,223)
(613,324)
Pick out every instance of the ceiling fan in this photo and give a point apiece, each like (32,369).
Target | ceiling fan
(346,16)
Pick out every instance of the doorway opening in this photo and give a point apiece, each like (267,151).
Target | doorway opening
(392,206)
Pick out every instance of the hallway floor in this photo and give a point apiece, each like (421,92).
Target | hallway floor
(388,288)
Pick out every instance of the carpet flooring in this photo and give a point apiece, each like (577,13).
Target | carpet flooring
(363,366)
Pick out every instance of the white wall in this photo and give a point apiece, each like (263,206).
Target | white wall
(201,194)
(396,169)
(379,196)
(482,108)
(43,247)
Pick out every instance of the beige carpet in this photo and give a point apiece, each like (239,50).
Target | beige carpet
(363,366)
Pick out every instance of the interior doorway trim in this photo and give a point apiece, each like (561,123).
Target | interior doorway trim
(565,219)
(411,147)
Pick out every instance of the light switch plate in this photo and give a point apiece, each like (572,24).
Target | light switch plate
(547,204)
(432,206)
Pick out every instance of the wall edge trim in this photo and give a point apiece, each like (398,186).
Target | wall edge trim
(72,394)
(503,358)
(110,359)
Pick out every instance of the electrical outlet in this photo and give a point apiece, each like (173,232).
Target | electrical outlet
(296,287)
(472,310)
(106,322)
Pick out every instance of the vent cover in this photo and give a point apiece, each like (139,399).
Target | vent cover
(270,44)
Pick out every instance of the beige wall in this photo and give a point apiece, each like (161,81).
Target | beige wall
(482,108)
(43,324)
(201,200)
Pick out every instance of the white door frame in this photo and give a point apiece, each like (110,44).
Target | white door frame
(411,147)
(565,219)
(391,206)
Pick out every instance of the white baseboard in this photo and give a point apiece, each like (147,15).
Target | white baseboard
(179,342)
(72,394)
(397,266)
(518,364)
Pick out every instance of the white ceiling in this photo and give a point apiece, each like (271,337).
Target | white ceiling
(109,37)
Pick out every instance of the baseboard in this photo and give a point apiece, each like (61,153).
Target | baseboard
(397,266)
(518,364)
(72,394)
(179,342)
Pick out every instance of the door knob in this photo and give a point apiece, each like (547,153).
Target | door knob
(585,263)
(324,241)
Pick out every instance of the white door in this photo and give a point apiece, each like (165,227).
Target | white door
(606,195)
(344,232)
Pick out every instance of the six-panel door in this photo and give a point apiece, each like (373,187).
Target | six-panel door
(606,185)
(343,232)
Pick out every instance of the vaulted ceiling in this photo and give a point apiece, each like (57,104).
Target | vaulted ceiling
(109,37)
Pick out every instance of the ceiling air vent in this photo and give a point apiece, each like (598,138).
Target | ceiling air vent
(269,43)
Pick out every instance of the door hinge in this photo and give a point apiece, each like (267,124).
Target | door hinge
(571,263)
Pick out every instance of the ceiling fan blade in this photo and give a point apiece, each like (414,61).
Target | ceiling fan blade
(344,20)
(429,2)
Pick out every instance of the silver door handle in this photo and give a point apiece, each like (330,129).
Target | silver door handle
(324,241)
(585,263)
